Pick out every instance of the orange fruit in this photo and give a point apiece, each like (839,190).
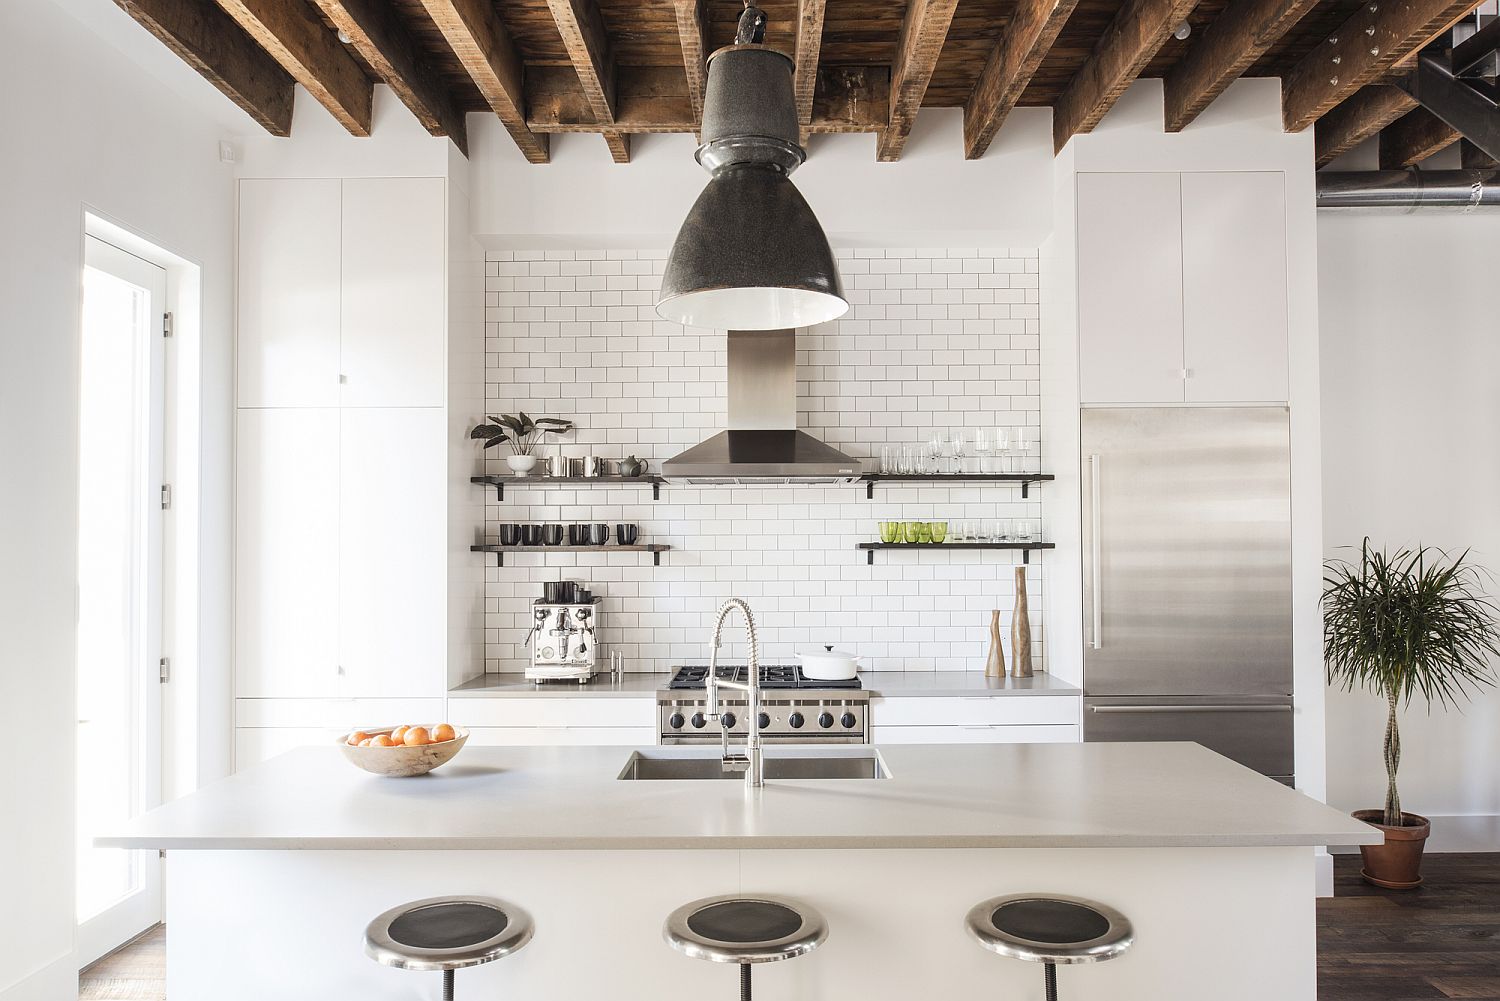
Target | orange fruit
(381,740)
(443,732)
(399,734)
(366,742)
(416,736)
(358,737)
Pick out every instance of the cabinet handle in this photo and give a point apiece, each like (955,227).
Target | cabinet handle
(1191,709)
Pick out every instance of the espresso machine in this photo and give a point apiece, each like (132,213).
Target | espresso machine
(563,640)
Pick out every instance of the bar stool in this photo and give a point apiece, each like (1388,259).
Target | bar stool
(447,933)
(745,930)
(1050,930)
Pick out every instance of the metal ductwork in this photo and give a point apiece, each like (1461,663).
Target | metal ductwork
(1409,190)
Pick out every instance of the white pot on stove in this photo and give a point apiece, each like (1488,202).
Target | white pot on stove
(829,664)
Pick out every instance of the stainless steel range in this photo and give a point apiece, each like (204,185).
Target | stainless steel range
(794,710)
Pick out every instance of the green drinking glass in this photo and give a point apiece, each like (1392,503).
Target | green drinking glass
(890,531)
(938,530)
(924,532)
(914,531)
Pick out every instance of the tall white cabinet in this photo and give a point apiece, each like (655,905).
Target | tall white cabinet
(342,454)
(1182,287)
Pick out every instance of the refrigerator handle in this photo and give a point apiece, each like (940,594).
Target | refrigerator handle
(1096,584)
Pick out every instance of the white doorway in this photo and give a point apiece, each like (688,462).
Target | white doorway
(122,435)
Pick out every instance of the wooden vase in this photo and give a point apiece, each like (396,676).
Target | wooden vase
(994,665)
(1020,631)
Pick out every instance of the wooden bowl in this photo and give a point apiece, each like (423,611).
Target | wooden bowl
(402,761)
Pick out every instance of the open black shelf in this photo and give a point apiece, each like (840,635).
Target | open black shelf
(1025,548)
(655,549)
(1025,479)
(499,482)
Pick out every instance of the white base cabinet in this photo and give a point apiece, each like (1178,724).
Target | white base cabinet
(983,719)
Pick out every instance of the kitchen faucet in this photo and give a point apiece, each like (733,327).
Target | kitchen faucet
(751,760)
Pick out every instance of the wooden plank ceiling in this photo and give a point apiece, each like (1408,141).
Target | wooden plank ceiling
(624,67)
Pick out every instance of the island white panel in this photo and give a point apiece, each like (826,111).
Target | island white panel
(1227,924)
(979,709)
(976,733)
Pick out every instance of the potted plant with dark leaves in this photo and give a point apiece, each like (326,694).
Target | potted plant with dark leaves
(522,433)
(1405,625)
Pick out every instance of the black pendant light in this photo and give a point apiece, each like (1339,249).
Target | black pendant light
(751,255)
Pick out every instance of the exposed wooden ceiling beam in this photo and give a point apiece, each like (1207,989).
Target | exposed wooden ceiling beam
(1133,37)
(584,36)
(692,32)
(1357,119)
(1414,137)
(482,44)
(922,35)
(209,41)
(379,36)
(809,43)
(653,99)
(298,40)
(1011,65)
(1377,37)
(1471,157)
(1229,46)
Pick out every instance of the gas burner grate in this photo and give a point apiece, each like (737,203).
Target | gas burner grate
(772,676)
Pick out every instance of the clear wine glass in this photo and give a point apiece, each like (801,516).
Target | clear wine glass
(957,448)
(984,444)
(1026,447)
(1002,449)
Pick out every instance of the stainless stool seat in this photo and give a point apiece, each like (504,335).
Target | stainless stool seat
(745,930)
(1050,929)
(447,934)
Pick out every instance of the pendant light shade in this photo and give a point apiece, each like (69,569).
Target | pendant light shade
(751,255)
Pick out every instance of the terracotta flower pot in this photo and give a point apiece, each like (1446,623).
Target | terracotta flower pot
(1397,864)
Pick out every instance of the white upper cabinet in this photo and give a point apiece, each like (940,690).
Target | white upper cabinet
(1130,288)
(286,553)
(1182,287)
(394,319)
(288,294)
(1234,287)
(392,579)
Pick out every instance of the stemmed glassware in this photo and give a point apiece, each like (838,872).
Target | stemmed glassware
(1025,444)
(984,444)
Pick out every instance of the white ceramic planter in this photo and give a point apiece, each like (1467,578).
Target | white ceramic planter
(521,465)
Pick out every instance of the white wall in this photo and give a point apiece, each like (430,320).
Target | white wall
(935,339)
(1411,431)
(931,197)
(86,127)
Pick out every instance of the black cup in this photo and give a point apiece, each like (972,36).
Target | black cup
(510,535)
(531,535)
(583,596)
(552,535)
(578,535)
(558,592)
(626,535)
(598,535)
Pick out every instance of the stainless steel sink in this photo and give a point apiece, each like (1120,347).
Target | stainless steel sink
(853,763)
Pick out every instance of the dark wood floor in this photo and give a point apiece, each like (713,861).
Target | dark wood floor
(1439,941)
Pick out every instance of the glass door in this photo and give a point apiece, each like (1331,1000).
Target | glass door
(120,500)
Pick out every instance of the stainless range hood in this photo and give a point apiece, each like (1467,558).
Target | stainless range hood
(762,443)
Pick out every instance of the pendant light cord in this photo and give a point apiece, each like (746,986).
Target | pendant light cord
(752,27)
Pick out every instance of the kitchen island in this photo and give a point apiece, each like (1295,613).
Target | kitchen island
(274,872)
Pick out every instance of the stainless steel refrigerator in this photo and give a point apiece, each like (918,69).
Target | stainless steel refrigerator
(1188,581)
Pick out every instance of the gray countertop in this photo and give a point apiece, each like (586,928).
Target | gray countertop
(888,684)
(937,796)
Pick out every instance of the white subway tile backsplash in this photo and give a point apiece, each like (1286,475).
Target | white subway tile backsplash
(936,338)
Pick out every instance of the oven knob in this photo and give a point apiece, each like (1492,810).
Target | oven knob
(795,720)
(848,721)
(728,720)
(825,720)
(675,721)
(699,720)
(765,721)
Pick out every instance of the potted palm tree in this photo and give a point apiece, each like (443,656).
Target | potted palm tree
(1403,625)
(523,433)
